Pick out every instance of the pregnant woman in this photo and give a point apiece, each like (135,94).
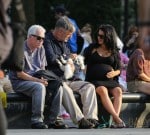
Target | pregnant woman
(103,68)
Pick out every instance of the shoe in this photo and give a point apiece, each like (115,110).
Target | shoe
(39,125)
(103,125)
(58,125)
(118,125)
(94,122)
(85,124)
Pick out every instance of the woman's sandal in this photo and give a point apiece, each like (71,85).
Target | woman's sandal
(118,125)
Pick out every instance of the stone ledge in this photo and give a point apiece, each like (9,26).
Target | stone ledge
(135,110)
(126,98)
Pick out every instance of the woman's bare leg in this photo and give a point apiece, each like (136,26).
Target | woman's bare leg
(117,102)
(107,103)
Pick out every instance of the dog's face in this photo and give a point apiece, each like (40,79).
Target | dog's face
(80,61)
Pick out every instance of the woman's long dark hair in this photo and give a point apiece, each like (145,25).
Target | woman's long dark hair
(110,37)
(110,40)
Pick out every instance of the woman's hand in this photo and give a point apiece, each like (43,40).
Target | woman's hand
(113,73)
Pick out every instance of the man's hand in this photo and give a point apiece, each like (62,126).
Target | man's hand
(44,81)
(73,55)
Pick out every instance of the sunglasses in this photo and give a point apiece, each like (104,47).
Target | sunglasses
(101,36)
(38,37)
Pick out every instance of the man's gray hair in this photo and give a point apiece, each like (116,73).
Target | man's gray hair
(65,23)
(34,28)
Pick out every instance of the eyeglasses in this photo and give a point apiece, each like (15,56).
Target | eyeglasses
(38,37)
(101,36)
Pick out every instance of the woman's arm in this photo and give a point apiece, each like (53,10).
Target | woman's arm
(113,73)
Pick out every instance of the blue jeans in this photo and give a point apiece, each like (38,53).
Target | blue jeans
(37,91)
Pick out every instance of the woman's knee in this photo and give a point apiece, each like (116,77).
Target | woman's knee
(117,92)
(101,90)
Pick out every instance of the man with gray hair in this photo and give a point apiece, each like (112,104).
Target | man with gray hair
(56,47)
(34,81)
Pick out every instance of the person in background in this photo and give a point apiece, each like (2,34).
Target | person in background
(138,73)
(130,40)
(5,84)
(103,68)
(55,47)
(28,82)
(119,44)
(61,11)
(5,31)
(6,42)
(144,24)
(86,32)
(63,113)
(124,61)
(122,77)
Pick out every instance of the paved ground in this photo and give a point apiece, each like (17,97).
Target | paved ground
(105,131)
(75,131)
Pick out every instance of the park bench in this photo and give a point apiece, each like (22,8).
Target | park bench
(127,97)
(135,110)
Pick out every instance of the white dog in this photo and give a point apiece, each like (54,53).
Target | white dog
(68,65)
(79,60)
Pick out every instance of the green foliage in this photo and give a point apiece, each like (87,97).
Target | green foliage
(95,12)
